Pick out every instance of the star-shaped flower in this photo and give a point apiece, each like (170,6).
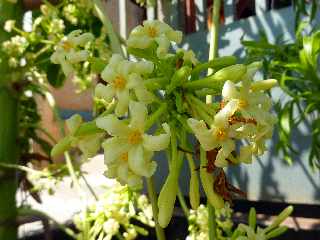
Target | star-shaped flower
(68,53)
(219,135)
(154,30)
(123,76)
(128,152)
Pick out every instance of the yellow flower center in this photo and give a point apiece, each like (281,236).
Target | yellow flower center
(67,45)
(221,134)
(119,82)
(124,157)
(152,32)
(243,103)
(135,137)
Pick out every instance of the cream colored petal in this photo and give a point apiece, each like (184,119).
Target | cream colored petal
(125,68)
(134,181)
(221,118)
(226,148)
(90,145)
(159,142)
(229,91)
(113,148)
(139,164)
(138,114)
(55,57)
(83,39)
(67,68)
(123,102)
(108,74)
(202,133)
(144,67)
(134,80)
(140,42)
(246,154)
(105,92)
(174,36)
(113,125)
(143,94)
(163,46)
(115,60)
(79,56)
(123,172)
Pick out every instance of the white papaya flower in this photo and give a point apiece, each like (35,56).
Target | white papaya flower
(123,76)
(219,135)
(154,30)
(251,105)
(130,150)
(68,53)
(188,56)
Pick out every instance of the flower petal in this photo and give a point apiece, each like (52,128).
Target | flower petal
(113,148)
(139,164)
(123,102)
(143,94)
(203,134)
(226,148)
(246,154)
(221,118)
(159,142)
(138,112)
(113,125)
(229,91)
(105,92)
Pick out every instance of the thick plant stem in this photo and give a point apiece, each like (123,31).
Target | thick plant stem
(213,53)
(214,40)
(8,155)
(9,151)
(155,210)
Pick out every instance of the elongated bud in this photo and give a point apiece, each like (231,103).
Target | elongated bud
(194,193)
(62,146)
(74,123)
(207,181)
(87,128)
(233,73)
(263,85)
(179,77)
(166,200)
(281,217)
(276,232)
(252,218)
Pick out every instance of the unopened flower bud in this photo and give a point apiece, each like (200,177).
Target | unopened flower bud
(233,73)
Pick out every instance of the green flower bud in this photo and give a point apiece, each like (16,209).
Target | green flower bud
(233,73)
(166,200)
(62,146)
(281,217)
(276,232)
(252,218)
(263,85)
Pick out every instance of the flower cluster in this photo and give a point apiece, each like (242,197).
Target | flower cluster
(128,153)
(154,31)
(122,78)
(163,88)
(244,115)
(111,215)
(68,51)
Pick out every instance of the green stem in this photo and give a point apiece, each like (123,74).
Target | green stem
(154,202)
(100,8)
(154,117)
(212,222)
(213,53)
(183,203)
